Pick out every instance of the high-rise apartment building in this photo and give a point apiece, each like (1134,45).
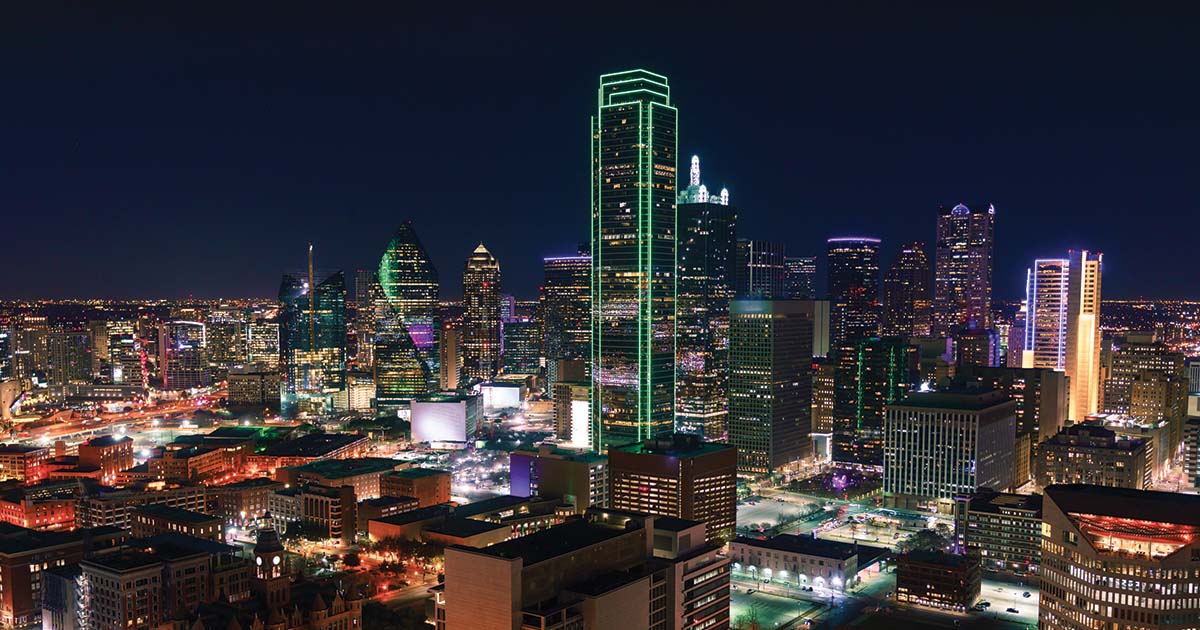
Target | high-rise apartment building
(312,341)
(963,280)
(407,321)
(182,353)
(801,277)
(760,269)
(69,358)
(707,252)
(770,384)
(853,272)
(868,375)
(1118,558)
(906,294)
(262,342)
(943,444)
(566,307)
(481,316)
(678,476)
(633,227)
(1083,333)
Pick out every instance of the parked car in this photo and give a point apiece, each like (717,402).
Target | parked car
(1026,594)
(1013,611)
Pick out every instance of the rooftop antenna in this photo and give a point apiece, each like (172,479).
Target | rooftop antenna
(312,303)
(703,196)
(694,173)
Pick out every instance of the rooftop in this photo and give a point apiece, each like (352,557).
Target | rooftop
(806,545)
(445,398)
(253,482)
(342,468)
(418,473)
(177,514)
(1146,505)
(493,504)
(939,558)
(956,399)
(553,542)
(124,560)
(10,449)
(312,445)
(415,516)
(678,445)
(994,502)
(107,440)
(672,524)
(386,501)
(610,581)
(464,527)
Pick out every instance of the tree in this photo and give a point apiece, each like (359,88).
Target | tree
(351,560)
(924,540)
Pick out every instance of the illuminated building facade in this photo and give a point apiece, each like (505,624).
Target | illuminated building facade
(963,280)
(366,295)
(1046,323)
(677,476)
(1004,529)
(522,346)
(633,227)
(407,320)
(451,362)
(566,307)
(1119,558)
(262,341)
(481,316)
(181,355)
(1140,368)
(1092,454)
(942,444)
(312,341)
(853,270)
(225,340)
(1040,394)
(707,250)
(906,294)
(760,269)
(572,413)
(801,277)
(868,375)
(770,384)
(1083,333)
(69,348)
(938,579)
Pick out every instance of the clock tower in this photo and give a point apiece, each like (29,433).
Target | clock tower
(271,580)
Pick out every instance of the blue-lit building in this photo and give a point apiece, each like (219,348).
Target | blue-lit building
(407,323)
(312,342)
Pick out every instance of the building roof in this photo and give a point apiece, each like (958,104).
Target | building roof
(183,541)
(127,560)
(177,514)
(415,516)
(312,445)
(672,524)
(925,556)
(1145,505)
(9,449)
(386,501)
(553,542)
(417,473)
(253,482)
(445,398)
(464,527)
(806,545)
(994,502)
(16,540)
(107,440)
(679,445)
(965,399)
(342,468)
(493,504)
(610,581)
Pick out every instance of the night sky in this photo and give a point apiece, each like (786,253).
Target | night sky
(168,151)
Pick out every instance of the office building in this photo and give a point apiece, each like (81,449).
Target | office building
(760,270)
(451,360)
(963,279)
(801,277)
(225,340)
(522,346)
(123,591)
(262,343)
(1118,558)
(367,293)
(1014,352)
(1083,333)
(868,375)
(579,479)
(25,558)
(481,316)
(1086,453)
(243,502)
(108,454)
(907,298)
(1191,452)
(572,413)
(938,579)
(1040,394)
(407,321)
(633,258)
(312,341)
(707,251)
(363,474)
(69,355)
(111,508)
(823,395)
(853,279)
(1140,364)
(253,385)
(1004,530)
(428,486)
(28,464)
(677,476)
(609,570)
(152,520)
(976,346)
(566,307)
(1046,324)
(770,384)
(942,444)
(445,418)
(182,359)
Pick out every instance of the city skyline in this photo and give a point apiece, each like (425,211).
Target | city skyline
(1055,162)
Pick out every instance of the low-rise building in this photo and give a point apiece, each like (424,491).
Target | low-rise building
(110,507)
(309,448)
(802,561)
(109,454)
(244,501)
(383,507)
(25,555)
(428,486)
(362,474)
(30,464)
(1090,454)
(1005,530)
(579,479)
(938,579)
(151,520)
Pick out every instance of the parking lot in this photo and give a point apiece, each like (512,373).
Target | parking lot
(1005,595)
(772,610)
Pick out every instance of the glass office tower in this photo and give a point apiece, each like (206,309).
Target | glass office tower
(312,341)
(407,323)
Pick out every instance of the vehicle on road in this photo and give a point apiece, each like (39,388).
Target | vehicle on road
(1013,611)
(1026,594)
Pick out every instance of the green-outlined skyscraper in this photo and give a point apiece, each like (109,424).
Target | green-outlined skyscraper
(633,234)
(407,323)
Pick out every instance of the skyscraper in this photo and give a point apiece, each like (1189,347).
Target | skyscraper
(312,340)
(853,268)
(707,241)
(869,375)
(566,307)
(182,359)
(633,227)
(906,302)
(481,316)
(963,282)
(761,269)
(1139,363)
(1046,320)
(801,277)
(1083,333)
(69,360)
(407,320)
(366,294)
(770,384)
(522,346)
(451,357)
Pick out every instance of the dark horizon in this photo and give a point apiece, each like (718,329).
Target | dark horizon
(175,152)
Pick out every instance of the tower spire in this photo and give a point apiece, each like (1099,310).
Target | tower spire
(694,173)
(312,302)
